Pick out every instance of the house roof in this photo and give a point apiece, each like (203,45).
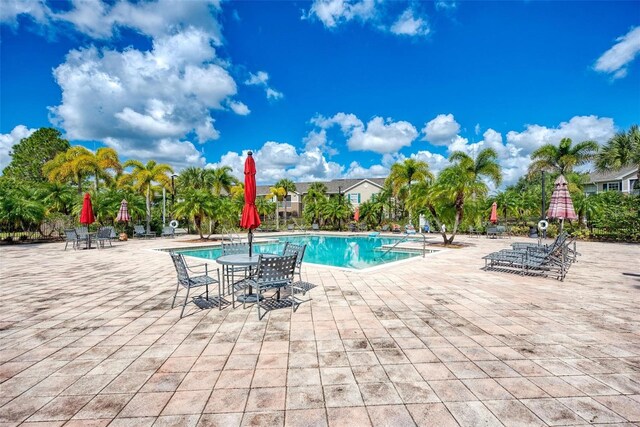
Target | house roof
(611,175)
(333,186)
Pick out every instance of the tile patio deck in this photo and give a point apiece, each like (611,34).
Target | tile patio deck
(89,338)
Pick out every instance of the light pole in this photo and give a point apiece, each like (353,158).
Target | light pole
(339,218)
(173,194)
(542,215)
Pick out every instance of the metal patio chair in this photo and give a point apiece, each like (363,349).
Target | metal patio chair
(273,274)
(188,281)
(103,235)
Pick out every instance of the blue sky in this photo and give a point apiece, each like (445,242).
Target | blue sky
(319,89)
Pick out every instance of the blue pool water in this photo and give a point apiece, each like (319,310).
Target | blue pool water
(351,252)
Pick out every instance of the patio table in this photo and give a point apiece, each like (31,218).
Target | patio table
(240,260)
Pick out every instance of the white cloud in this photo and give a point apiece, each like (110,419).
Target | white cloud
(275,160)
(578,128)
(261,78)
(410,25)
(446,5)
(356,170)
(442,130)
(11,9)
(8,140)
(101,20)
(334,12)
(617,59)
(379,135)
(239,108)
(144,98)
(436,161)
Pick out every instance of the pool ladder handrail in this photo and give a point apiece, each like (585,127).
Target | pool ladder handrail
(406,237)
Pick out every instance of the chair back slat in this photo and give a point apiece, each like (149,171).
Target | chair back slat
(71,234)
(235,248)
(293,249)
(181,268)
(82,232)
(275,270)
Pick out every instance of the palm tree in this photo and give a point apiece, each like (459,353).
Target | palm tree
(142,178)
(100,163)
(70,166)
(336,209)
(195,178)
(279,194)
(264,206)
(562,158)
(197,204)
(463,180)
(404,173)
(621,151)
(78,162)
(289,187)
(221,179)
(57,197)
(316,194)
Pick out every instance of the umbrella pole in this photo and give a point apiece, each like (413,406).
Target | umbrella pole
(250,242)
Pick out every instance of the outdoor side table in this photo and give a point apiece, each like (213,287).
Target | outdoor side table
(240,260)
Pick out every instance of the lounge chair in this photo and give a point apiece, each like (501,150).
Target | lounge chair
(315,227)
(168,231)
(189,281)
(385,227)
(139,231)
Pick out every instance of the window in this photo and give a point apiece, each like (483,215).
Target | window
(354,197)
(633,186)
(612,186)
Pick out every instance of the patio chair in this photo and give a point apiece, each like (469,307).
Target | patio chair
(273,273)
(168,231)
(298,250)
(70,235)
(315,227)
(190,281)
(103,235)
(385,227)
(473,232)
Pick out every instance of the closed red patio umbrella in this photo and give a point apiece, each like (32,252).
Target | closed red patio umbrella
(494,213)
(86,215)
(356,215)
(250,217)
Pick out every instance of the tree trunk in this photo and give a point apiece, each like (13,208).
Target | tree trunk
(148,209)
(277,217)
(459,214)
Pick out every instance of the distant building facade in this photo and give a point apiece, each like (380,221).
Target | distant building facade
(623,181)
(357,191)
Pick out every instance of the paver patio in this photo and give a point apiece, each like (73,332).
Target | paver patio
(89,338)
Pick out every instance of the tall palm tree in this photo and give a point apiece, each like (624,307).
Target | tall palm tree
(316,194)
(563,157)
(195,178)
(69,166)
(142,178)
(336,209)
(197,204)
(78,162)
(289,187)
(404,173)
(222,179)
(621,151)
(464,179)
(279,194)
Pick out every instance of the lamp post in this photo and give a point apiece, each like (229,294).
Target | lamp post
(339,219)
(173,194)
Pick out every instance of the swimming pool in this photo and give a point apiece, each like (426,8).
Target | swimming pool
(356,252)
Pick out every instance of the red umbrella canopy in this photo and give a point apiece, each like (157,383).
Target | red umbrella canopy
(561,206)
(86,215)
(250,218)
(356,215)
(494,213)
(123,213)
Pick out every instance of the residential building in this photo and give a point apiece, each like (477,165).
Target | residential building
(624,181)
(357,191)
